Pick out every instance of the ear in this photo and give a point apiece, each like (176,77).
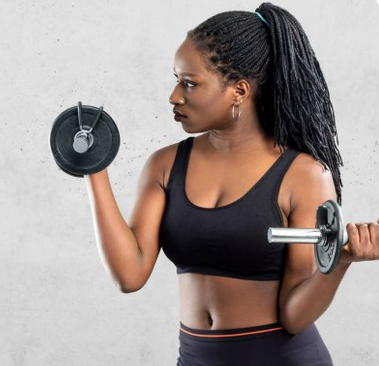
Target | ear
(242,91)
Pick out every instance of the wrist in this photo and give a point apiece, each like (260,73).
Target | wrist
(343,265)
(97,182)
(101,174)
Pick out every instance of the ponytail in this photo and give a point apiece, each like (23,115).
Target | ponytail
(292,97)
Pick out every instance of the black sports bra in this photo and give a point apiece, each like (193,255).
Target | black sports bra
(230,240)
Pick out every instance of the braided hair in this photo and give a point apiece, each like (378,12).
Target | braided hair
(292,98)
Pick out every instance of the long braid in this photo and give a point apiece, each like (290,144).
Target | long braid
(292,97)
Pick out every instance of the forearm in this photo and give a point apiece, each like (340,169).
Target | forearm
(116,242)
(304,304)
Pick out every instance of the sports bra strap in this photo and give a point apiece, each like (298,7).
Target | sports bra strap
(269,183)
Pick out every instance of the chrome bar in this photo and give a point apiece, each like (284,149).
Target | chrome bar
(294,235)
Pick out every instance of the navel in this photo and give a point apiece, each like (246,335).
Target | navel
(210,320)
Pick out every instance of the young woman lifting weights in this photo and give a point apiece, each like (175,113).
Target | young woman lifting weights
(251,84)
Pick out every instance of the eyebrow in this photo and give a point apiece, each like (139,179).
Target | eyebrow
(186,74)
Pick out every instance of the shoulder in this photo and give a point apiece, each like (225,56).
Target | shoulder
(162,160)
(308,179)
(158,162)
(306,165)
(165,153)
(165,158)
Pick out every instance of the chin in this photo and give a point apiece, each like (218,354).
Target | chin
(193,129)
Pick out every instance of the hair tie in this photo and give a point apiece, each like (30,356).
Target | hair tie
(263,19)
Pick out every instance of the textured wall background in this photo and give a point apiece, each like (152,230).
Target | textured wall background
(57,304)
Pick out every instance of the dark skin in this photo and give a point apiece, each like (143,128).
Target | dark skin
(225,162)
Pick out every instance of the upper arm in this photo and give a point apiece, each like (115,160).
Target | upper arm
(311,185)
(146,215)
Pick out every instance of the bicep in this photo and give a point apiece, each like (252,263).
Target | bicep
(314,185)
(147,212)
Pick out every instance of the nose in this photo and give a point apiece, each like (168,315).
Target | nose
(176,97)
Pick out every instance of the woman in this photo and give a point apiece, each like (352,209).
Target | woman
(267,157)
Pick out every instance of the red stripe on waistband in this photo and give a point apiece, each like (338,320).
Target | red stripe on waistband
(231,335)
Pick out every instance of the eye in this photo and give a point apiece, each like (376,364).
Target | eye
(189,84)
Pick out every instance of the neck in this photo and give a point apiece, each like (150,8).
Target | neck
(244,136)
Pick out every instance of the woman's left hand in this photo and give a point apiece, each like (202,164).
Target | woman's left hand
(363,243)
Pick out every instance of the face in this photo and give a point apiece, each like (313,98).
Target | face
(200,101)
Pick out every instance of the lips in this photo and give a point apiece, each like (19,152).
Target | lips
(178,116)
(177,113)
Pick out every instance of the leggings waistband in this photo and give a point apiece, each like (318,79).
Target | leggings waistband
(236,332)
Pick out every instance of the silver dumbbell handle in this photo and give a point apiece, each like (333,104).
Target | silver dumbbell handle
(295,235)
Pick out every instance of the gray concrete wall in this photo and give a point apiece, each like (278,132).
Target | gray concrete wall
(57,304)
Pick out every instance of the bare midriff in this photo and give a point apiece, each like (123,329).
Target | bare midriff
(215,302)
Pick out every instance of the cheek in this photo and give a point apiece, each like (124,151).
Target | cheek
(214,104)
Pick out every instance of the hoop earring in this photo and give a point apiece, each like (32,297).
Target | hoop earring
(233,111)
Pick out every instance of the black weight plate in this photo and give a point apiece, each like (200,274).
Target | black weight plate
(328,254)
(62,168)
(100,154)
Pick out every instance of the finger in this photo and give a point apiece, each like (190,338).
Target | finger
(373,228)
(364,235)
(364,252)
(374,238)
(353,235)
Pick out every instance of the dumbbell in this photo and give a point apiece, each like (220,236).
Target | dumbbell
(84,140)
(328,237)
